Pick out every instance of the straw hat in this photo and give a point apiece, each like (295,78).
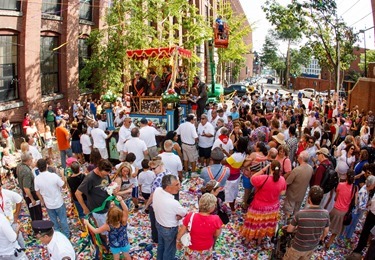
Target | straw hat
(280,138)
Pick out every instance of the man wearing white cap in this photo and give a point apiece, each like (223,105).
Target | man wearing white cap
(58,245)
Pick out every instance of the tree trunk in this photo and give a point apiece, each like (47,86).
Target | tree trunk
(287,66)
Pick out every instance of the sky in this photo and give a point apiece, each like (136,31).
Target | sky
(356,13)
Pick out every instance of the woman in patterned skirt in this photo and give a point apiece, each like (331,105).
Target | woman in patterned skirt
(263,213)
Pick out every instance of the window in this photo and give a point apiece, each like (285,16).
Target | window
(83,55)
(52,7)
(8,68)
(14,5)
(49,65)
(85,10)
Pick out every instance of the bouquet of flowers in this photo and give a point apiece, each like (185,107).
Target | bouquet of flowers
(170,96)
(109,96)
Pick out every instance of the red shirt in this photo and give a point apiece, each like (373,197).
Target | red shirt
(202,230)
(316,179)
(25,123)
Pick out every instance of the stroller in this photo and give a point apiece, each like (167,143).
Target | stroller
(281,240)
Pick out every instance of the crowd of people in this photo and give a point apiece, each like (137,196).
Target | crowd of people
(309,168)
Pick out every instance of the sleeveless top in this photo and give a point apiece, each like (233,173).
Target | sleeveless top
(118,237)
(125,184)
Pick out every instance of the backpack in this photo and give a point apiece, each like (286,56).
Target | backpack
(330,178)
(333,161)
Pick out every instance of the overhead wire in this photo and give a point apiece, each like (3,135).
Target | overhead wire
(361,19)
(350,8)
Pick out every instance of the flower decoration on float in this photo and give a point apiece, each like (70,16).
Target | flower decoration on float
(170,96)
(109,96)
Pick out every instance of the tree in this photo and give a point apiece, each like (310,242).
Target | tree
(289,25)
(330,38)
(139,24)
(269,56)
(370,57)
(299,58)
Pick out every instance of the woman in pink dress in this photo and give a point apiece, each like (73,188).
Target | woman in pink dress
(263,214)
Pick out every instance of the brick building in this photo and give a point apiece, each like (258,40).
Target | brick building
(42,46)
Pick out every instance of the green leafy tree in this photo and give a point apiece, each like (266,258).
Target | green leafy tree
(289,23)
(299,58)
(370,57)
(140,24)
(330,38)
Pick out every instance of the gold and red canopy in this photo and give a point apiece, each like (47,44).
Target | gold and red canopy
(159,53)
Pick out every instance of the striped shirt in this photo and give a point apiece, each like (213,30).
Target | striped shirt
(310,224)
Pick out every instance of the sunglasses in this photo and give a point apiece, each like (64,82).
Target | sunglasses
(153,169)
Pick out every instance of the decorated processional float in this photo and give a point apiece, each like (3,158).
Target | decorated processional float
(164,111)
(161,110)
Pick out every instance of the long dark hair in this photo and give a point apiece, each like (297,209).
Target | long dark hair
(275,167)
(242,144)
(350,176)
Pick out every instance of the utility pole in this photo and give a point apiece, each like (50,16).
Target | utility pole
(337,59)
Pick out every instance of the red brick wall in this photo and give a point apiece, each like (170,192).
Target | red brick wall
(317,84)
(363,94)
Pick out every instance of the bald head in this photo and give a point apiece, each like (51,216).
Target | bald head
(304,156)
(272,153)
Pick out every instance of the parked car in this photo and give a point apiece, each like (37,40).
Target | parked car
(342,93)
(241,89)
(308,92)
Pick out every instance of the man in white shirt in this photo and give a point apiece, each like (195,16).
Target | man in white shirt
(222,115)
(214,117)
(120,118)
(148,134)
(224,142)
(206,133)
(137,146)
(285,129)
(58,246)
(48,189)
(124,134)
(10,200)
(99,138)
(316,128)
(102,122)
(219,125)
(189,136)
(8,240)
(168,212)
(171,161)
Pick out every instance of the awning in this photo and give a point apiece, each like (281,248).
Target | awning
(158,53)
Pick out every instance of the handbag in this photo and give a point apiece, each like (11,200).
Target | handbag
(4,133)
(253,192)
(186,239)
(348,216)
(221,213)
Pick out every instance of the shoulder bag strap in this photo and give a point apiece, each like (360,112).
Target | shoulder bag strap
(262,184)
(191,222)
